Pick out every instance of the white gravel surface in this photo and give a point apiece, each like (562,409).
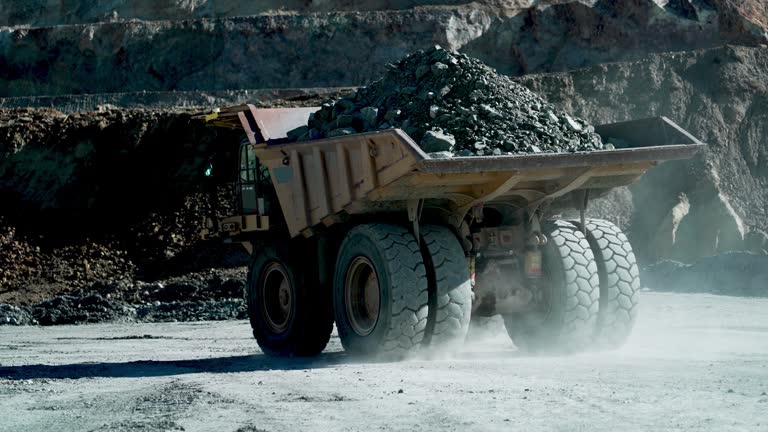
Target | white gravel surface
(694,363)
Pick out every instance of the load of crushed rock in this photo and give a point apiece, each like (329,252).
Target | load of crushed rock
(453,105)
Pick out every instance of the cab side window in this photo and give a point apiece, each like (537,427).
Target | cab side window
(248,163)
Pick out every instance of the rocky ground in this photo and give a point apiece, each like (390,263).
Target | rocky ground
(694,362)
(215,294)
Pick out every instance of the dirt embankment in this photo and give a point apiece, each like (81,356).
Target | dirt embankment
(112,195)
(214,294)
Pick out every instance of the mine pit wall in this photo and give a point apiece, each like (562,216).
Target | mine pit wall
(42,13)
(719,200)
(193,101)
(284,51)
(345,48)
(46,13)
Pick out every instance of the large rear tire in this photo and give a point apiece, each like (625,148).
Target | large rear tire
(450,288)
(380,291)
(290,314)
(565,317)
(619,283)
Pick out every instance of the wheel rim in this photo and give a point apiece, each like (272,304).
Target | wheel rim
(276,297)
(362,296)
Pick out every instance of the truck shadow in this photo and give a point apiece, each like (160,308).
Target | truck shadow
(157,368)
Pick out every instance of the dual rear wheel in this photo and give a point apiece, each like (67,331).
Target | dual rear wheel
(589,291)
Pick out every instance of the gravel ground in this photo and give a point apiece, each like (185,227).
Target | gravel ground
(695,362)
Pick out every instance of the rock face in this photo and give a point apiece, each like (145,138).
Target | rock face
(47,13)
(450,103)
(184,50)
(273,51)
(178,100)
(564,35)
(47,157)
(720,96)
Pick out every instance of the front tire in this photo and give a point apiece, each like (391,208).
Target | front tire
(289,313)
(380,291)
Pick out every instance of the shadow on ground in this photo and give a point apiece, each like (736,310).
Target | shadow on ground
(155,368)
(233,364)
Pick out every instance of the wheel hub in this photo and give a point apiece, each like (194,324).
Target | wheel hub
(362,296)
(276,295)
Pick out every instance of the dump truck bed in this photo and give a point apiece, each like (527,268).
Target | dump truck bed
(319,181)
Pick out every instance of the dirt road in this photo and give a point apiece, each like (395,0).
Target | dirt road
(695,362)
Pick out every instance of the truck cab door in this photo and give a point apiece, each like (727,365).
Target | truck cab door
(248,181)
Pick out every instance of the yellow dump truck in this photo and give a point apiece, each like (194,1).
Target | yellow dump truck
(400,250)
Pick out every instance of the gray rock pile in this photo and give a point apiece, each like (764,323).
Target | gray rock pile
(12,315)
(201,310)
(453,105)
(213,294)
(78,310)
(734,274)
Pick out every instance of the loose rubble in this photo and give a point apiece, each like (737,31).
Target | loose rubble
(78,310)
(209,295)
(209,310)
(734,274)
(12,315)
(453,105)
(112,194)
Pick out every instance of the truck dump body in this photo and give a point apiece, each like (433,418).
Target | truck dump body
(382,171)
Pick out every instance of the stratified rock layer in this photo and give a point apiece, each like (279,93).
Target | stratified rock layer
(185,51)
